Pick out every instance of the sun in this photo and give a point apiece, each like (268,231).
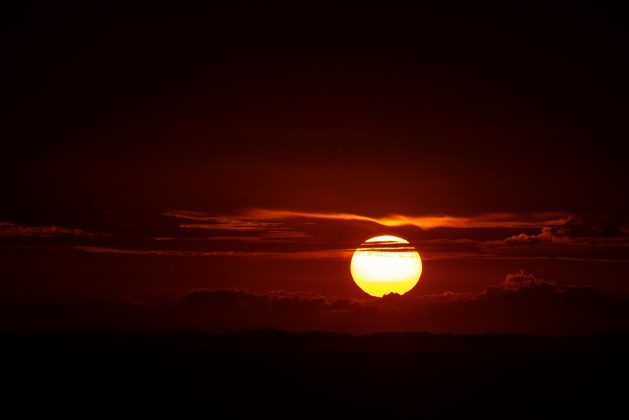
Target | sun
(386,264)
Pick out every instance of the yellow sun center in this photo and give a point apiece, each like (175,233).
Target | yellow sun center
(386,264)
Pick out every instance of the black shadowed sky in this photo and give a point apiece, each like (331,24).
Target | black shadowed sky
(161,150)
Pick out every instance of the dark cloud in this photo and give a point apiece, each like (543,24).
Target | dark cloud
(576,228)
(11,230)
(598,238)
(522,281)
(281,255)
(548,234)
(522,303)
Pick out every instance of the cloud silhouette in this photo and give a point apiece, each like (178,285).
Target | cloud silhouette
(522,281)
(522,303)
(548,234)
(577,230)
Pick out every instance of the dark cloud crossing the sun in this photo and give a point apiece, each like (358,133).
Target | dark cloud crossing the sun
(311,235)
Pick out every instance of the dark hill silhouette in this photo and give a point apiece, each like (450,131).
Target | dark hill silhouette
(302,375)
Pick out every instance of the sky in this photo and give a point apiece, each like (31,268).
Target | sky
(157,153)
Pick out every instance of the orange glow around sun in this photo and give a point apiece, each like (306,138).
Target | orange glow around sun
(386,264)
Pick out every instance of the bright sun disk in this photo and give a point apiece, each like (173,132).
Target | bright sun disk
(386,264)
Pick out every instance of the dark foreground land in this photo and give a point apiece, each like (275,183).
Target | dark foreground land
(287,375)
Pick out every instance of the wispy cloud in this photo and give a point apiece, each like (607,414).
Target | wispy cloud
(198,220)
(231,238)
(290,234)
(9,229)
(558,236)
(264,230)
(261,219)
(489,220)
(300,255)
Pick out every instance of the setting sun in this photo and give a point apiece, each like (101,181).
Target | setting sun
(386,264)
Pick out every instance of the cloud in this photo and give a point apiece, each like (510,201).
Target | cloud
(257,218)
(265,231)
(12,230)
(591,238)
(303,255)
(472,239)
(573,230)
(522,281)
(522,303)
(490,220)
(546,235)
(287,234)
(279,238)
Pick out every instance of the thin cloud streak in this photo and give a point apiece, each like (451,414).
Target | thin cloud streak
(254,219)
(11,230)
(300,255)
(271,231)
(490,220)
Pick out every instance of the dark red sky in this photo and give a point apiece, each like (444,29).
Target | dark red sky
(159,151)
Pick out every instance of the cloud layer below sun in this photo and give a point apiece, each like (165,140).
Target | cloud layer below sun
(522,303)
